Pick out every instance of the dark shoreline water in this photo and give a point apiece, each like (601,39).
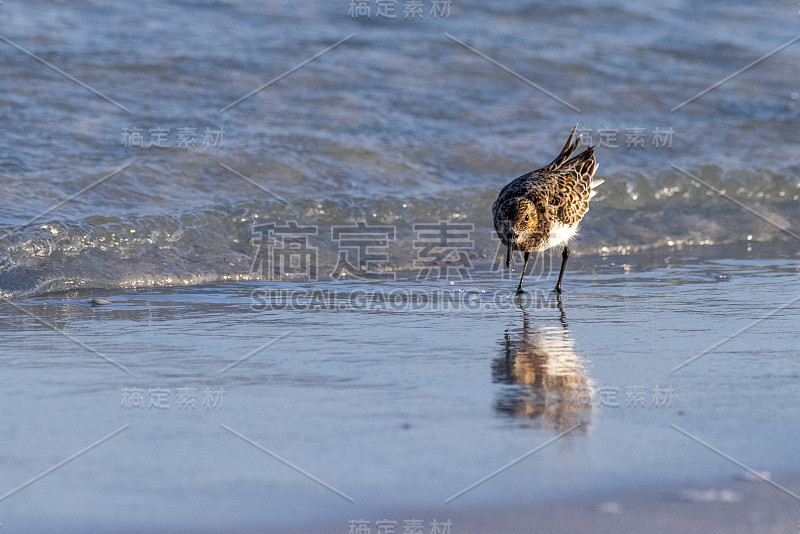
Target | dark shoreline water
(247,242)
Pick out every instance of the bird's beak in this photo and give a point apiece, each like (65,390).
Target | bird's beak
(508,254)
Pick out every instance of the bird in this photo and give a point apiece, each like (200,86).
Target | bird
(542,209)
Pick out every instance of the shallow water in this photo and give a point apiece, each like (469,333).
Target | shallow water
(396,405)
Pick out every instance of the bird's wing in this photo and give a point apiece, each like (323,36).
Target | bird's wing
(574,186)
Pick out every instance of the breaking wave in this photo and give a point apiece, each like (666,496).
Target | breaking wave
(232,241)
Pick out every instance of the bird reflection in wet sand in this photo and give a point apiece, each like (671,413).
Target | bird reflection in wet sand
(548,378)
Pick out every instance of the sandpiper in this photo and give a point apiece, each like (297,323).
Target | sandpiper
(542,209)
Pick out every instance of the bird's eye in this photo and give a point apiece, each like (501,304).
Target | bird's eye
(526,218)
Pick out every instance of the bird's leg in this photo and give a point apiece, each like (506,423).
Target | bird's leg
(524,268)
(564,324)
(564,257)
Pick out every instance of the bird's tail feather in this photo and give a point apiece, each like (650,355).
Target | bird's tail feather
(569,148)
(594,184)
(584,163)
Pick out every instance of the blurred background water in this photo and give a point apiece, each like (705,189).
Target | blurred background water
(398,124)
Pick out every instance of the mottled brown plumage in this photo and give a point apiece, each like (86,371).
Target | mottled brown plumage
(542,209)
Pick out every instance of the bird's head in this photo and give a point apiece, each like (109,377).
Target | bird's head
(517,224)
(517,221)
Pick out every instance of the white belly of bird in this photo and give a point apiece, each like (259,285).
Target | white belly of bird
(560,234)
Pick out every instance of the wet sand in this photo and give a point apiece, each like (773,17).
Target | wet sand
(363,400)
(733,506)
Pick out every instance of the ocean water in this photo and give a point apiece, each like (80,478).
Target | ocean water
(402,123)
(288,207)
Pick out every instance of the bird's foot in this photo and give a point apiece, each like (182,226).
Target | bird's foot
(557,290)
